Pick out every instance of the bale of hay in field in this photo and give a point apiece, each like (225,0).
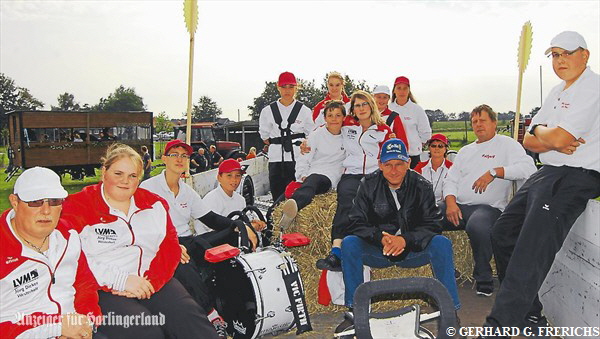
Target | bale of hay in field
(315,221)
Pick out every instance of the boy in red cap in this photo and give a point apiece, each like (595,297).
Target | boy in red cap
(224,199)
(283,125)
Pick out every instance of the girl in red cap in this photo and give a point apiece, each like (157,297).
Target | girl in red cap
(436,168)
(335,91)
(413,116)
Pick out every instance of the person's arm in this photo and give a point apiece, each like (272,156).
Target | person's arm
(304,161)
(308,124)
(216,221)
(428,218)
(423,126)
(551,139)
(450,189)
(86,290)
(167,257)
(264,124)
(520,166)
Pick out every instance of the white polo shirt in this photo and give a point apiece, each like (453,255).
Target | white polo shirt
(219,202)
(185,206)
(576,110)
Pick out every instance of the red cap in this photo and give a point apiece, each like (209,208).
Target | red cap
(438,137)
(178,143)
(402,80)
(286,78)
(230,165)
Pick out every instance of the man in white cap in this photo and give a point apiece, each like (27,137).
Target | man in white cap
(46,287)
(534,225)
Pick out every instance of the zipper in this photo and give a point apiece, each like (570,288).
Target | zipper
(52,280)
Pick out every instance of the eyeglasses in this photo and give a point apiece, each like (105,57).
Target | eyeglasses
(437,146)
(40,202)
(564,54)
(176,155)
(364,104)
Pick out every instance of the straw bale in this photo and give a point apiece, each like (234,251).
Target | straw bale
(315,221)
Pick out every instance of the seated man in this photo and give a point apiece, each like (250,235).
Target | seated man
(38,297)
(394,221)
(478,186)
(199,162)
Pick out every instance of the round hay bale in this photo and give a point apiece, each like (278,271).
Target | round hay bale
(315,221)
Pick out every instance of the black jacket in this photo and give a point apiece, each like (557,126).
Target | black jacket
(375,211)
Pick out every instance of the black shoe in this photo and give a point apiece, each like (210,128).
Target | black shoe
(330,263)
(485,288)
(346,325)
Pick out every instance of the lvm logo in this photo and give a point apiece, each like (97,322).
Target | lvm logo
(105,231)
(25,278)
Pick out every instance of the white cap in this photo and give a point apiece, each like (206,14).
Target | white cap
(567,40)
(39,183)
(381,89)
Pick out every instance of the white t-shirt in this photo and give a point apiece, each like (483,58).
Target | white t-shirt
(184,207)
(415,123)
(473,160)
(269,129)
(326,156)
(219,202)
(576,110)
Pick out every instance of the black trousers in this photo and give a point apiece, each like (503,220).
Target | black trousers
(477,221)
(313,184)
(530,232)
(183,317)
(280,175)
(346,192)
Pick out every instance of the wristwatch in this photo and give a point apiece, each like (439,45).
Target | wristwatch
(532,129)
(493,173)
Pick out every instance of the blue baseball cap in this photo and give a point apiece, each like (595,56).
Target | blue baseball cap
(393,149)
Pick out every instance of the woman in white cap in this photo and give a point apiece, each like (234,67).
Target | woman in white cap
(132,249)
(413,116)
(435,169)
(283,125)
(335,91)
(46,287)
(381,94)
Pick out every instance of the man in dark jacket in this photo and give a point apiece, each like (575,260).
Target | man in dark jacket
(395,222)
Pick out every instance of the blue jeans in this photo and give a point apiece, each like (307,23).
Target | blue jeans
(356,252)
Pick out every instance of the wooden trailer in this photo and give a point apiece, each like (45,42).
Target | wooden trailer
(72,142)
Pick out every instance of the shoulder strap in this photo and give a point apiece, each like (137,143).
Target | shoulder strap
(294,114)
(276,113)
(391,118)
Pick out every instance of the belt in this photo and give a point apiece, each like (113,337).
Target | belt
(293,136)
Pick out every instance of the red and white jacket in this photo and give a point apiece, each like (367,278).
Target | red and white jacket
(36,290)
(362,148)
(144,243)
(396,126)
(317,113)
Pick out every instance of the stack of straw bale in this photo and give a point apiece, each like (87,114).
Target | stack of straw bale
(315,221)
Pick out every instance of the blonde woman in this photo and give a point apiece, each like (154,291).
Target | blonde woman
(335,91)
(132,249)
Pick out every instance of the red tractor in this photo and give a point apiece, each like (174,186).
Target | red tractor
(205,134)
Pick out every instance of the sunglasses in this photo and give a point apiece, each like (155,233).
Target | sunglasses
(40,202)
(437,146)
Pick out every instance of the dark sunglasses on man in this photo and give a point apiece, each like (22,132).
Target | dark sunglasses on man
(40,202)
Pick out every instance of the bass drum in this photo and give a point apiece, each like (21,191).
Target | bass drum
(251,293)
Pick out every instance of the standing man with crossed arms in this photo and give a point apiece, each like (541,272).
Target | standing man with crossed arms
(534,225)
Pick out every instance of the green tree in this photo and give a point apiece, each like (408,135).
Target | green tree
(13,98)
(122,100)
(66,102)
(162,123)
(205,110)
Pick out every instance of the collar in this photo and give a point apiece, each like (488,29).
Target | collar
(12,241)
(116,212)
(224,194)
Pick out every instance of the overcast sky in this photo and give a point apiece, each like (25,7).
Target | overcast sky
(457,54)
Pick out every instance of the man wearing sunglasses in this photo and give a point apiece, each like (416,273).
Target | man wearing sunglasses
(46,287)
(534,225)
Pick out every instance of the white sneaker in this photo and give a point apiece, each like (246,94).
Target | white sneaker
(289,212)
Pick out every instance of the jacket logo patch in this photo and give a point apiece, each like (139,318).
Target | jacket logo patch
(183,205)
(106,235)
(238,326)
(26,278)
(565,105)
(488,156)
(10,260)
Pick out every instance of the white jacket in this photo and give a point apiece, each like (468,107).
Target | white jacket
(362,148)
(415,123)
(326,156)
